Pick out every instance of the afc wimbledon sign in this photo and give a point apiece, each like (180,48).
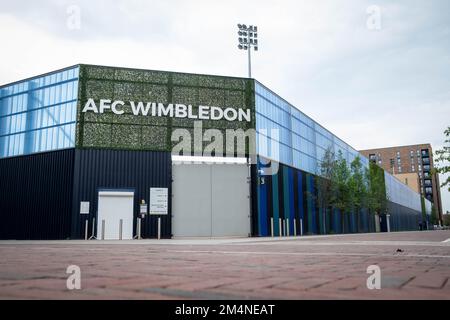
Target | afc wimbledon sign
(170,110)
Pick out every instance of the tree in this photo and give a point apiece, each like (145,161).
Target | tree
(324,183)
(376,195)
(446,219)
(357,188)
(433,218)
(424,212)
(443,159)
(341,196)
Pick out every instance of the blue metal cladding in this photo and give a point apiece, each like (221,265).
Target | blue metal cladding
(286,196)
(262,208)
(120,169)
(39,114)
(301,202)
(276,205)
(36,196)
(312,225)
(291,202)
(290,194)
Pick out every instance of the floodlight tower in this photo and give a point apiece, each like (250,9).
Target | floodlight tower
(248,38)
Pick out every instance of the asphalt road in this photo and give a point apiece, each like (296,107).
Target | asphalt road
(413,265)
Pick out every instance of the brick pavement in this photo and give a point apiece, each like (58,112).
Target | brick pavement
(323,267)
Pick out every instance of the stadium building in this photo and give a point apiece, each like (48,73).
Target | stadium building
(94,151)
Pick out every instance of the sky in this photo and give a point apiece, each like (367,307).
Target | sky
(375,73)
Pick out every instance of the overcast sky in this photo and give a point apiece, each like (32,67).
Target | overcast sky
(374,80)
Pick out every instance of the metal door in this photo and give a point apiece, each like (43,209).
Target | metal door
(115,215)
(210,200)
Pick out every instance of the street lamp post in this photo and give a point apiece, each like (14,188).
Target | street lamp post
(248,39)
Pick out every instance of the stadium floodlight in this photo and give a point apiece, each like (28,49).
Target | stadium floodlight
(247,41)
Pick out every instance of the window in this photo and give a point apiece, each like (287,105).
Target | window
(413,168)
(399,169)
(398,154)
(34,118)
(428,190)
(420,167)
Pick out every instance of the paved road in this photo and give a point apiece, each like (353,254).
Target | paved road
(315,267)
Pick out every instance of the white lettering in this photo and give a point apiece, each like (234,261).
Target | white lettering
(227,116)
(180,111)
(216,113)
(245,114)
(104,104)
(170,110)
(90,106)
(139,108)
(114,105)
(165,111)
(203,112)
(190,115)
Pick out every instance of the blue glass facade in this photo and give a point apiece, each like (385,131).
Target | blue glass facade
(297,140)
(39,114)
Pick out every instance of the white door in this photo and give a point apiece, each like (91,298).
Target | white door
(114,206)
(210,200)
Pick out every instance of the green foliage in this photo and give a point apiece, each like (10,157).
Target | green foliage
(424,210)
(434,218)
(358,184)
(376,194)
(358,187)
(442,158)
(340,178)
(446,219)
(351,187)
(324,182)
(130,132)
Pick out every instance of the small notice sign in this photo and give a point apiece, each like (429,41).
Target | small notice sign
(84,207)
(158,201)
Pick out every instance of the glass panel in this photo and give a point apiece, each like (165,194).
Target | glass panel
(38,114)
(303,141)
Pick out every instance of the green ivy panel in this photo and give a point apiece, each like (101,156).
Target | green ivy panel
(131,132)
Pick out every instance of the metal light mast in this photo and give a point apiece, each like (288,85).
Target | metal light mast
(248,38)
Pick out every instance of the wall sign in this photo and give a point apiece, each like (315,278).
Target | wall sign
(84,207)
(159,201)
(172,110)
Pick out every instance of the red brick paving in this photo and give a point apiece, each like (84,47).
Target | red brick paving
(328,267)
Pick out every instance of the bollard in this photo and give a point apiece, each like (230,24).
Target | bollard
(287,228)
(159,228)
(271,227)
(295,227)
(284,227)
(103,229)
(301,227)
(86,226)
(139,228)
(120,229)
(279,227)
(93,230)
